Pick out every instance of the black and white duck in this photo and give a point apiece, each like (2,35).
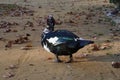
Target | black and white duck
(63,42)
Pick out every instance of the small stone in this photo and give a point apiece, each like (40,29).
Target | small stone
(27,34)
(49,58)
(15,30)
(31,64)
(95,47)
(115,64)
(40,7)
(33,29)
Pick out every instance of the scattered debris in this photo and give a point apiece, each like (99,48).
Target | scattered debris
(25,0)
(9,75)
(22,39)
(103,46)
(40,6)
(70,13)
(29,24)
(1,38)
(12,66)
(58,22)
(95,47)
(14,30)
(5,24)
(27,34)
(81,56)
(19,40)
(27,47)
(7,30)
(15,10)
(49,58)
(33,29)
(31,64)
(9,44)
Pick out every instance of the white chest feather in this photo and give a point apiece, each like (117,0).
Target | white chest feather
(46,47)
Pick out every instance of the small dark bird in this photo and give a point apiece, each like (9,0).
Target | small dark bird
(63,42)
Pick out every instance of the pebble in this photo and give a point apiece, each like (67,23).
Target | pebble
(49,58)
(115,64)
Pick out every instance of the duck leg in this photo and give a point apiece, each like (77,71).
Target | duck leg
(57,59)
(71,59)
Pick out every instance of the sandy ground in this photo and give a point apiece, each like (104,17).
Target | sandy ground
(85,18)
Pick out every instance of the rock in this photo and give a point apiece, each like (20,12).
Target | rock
(95,47)
(27,47)
(116,64)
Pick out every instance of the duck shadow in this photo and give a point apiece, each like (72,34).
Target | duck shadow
(100,58)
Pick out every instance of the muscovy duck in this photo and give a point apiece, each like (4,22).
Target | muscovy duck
(63,42)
